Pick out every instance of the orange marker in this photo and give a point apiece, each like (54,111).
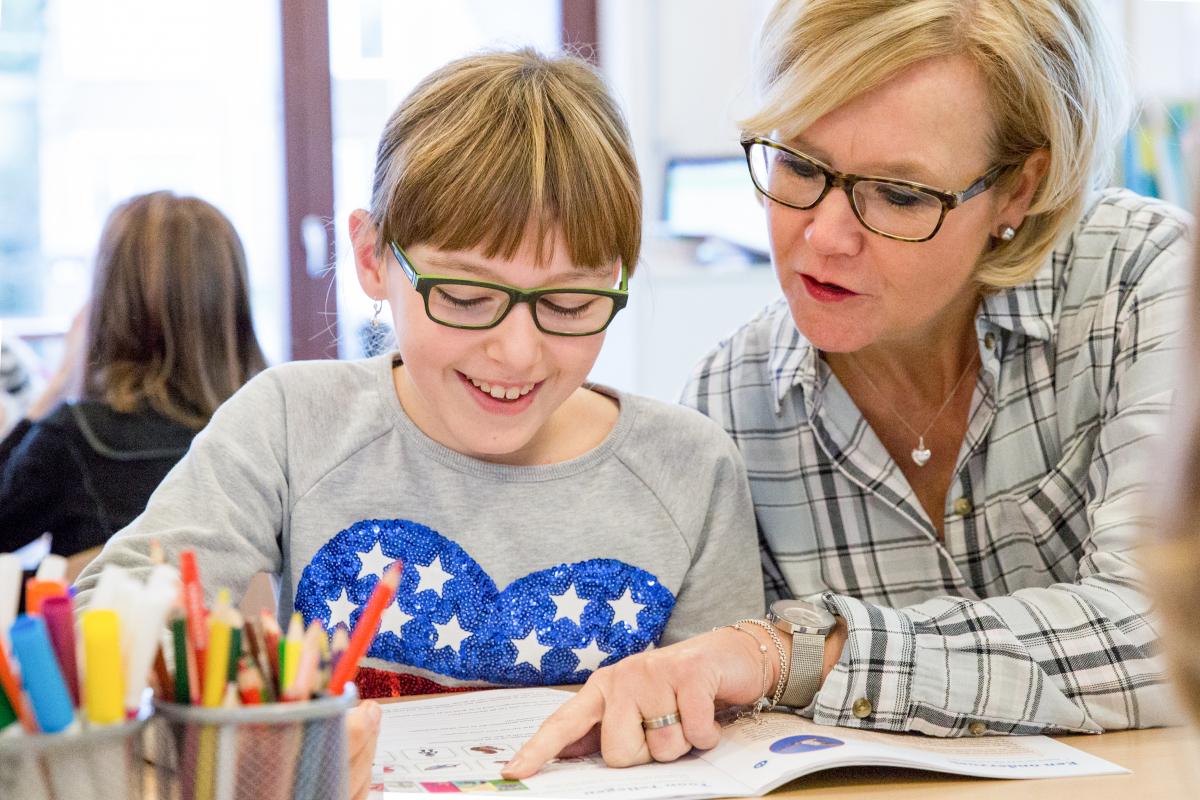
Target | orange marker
(364,631)
(37,591)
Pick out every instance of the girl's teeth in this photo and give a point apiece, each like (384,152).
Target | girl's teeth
(500,393)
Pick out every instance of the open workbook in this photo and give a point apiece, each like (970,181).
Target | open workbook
(459,743)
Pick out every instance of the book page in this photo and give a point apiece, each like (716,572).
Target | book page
(780,747)
(459,743)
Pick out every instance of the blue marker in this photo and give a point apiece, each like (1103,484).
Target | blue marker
(41,675)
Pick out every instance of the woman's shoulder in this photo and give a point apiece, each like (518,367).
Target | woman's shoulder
(1126,244)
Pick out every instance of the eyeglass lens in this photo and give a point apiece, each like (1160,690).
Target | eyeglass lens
(886,207)
(479,307)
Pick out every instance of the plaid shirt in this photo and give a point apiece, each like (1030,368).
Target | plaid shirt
(1029,617)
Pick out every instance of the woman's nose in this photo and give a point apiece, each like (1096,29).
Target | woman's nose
(832,228)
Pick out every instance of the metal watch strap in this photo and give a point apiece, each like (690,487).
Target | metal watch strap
(804,670)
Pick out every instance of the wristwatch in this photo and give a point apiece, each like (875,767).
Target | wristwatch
(809,624)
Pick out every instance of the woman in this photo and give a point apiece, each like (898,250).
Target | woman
(168,339)
(947,423)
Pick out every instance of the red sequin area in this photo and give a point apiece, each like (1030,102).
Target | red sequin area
(376,683)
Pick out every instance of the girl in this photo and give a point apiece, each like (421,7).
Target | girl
(169,339)
(546,526)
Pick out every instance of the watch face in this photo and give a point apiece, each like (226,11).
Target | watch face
(803,614)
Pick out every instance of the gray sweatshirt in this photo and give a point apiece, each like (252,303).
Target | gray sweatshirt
(512,575)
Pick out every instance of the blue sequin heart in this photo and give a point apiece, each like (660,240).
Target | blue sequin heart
(552,626)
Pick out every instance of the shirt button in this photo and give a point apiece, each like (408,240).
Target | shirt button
(989,340)
(862,708)
(977,728)
(962,506)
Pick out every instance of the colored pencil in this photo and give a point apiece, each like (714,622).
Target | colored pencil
(193,606)
(364,631)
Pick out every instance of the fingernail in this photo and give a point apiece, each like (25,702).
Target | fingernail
(514,765)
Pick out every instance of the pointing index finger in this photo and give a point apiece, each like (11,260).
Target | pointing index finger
(572,721)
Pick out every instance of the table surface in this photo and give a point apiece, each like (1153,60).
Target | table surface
(1164,765)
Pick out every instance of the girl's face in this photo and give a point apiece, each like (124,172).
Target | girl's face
(849,288)
(495,394)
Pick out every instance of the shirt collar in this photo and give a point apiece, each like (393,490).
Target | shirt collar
(792,359)
(1026,309)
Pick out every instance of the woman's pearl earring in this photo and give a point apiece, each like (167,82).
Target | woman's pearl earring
(1008,233)
(378,310)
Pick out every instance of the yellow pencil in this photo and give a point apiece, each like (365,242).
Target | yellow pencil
(216,664)
(293,645)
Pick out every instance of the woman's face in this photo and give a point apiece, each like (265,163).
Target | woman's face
(849,288)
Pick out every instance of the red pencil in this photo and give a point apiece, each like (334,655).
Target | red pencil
(364,631)
(193,606)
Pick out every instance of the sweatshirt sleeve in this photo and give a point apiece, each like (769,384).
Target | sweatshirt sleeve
(227,499)
(724,583)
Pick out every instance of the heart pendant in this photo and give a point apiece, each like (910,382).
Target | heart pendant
(921,454)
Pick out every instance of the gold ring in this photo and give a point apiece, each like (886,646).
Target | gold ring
(665,721)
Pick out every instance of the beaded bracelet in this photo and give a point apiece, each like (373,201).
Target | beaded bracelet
(783,659)
(766,674)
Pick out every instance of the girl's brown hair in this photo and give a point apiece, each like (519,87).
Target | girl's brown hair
(499,147)
(170,322)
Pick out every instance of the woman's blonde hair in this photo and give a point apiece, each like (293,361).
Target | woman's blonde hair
(170,322)
(499,147)
(1052,71)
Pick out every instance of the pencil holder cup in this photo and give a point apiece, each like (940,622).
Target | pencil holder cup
(92,764)
(260,752)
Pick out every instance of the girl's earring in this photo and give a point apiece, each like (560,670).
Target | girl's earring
(378,311)
(1008,233)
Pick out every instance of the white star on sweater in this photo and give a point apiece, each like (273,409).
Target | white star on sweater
(373,562)
(340,611)
(433,576)
(625,609)
(530,650)
(393,619)
(590,656)
(568,605)
(450,634)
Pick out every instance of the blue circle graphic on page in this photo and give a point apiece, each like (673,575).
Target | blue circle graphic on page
(804,744)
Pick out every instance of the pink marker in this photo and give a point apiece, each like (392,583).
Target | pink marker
(59,614)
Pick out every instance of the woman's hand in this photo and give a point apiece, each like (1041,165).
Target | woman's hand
(362,733)
(691,677)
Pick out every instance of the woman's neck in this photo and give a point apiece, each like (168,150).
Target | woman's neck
(925,363)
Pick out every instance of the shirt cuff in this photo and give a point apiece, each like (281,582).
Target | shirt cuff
(871,685)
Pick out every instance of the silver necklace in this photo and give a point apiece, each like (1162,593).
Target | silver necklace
(920,454)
